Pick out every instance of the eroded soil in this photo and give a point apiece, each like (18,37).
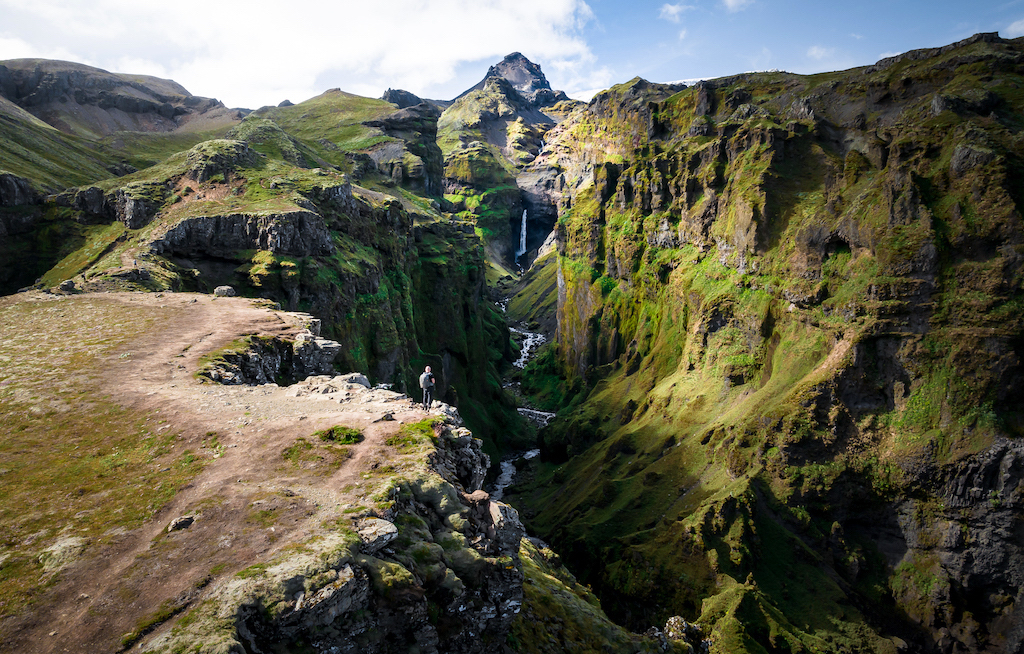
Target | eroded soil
(249,500)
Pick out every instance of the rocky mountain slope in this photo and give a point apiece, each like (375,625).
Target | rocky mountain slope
(788,359)
(489,135)
(94,103)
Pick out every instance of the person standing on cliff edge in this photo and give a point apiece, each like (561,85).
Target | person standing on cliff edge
(427,384)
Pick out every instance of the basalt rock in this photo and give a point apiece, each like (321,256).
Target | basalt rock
(414,159)
(403,99)
(16,191)
(297,233)
(269,360)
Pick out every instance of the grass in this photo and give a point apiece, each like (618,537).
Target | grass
(413,435)
(50,159)
(331,124)
(119,468)
(145,149)
(340,435)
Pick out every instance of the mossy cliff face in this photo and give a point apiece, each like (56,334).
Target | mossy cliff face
(789,321)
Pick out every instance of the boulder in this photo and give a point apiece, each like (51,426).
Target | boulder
(182,522)
(508,528)
(224,291)
(353,378)
(67,285)
(375,534)
(61,553)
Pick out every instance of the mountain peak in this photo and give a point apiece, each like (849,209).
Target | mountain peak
(525,77)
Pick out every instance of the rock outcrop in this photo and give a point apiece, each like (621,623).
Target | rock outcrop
(525,77)
(437,571)
(403,99)
(269,360)
(413,159)
(296,233)
(16,191)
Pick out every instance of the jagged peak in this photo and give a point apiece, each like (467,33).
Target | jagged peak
(525,77)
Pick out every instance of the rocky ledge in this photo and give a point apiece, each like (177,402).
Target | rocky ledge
(433,567)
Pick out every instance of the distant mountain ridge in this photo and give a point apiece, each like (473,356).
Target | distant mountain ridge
(94,103)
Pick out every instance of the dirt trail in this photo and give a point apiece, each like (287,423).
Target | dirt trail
(249,500)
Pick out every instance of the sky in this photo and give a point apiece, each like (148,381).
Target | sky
(251,53)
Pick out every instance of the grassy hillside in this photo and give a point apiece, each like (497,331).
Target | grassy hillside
(772,293)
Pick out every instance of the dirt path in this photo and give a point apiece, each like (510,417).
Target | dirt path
(250,501)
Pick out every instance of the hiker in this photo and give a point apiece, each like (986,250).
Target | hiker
(427,384)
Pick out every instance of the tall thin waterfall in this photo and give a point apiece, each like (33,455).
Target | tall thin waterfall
(522,238)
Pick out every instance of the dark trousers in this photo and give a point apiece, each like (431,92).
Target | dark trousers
(428,397)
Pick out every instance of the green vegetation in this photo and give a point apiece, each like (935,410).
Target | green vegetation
(414,434)
(331,124)
(120,467)
(751,350)
(340,435)
(50,159)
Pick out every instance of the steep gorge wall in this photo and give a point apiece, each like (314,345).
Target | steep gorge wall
(792,308)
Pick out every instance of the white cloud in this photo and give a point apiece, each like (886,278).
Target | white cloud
(736,5)
(261,52)
(672,13)
(857,36)
(682,35)
(15,48)
(1014,30)
(818,52)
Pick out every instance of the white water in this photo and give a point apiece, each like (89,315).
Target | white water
(539,418)
(530,342)
(522,239)
(508,473)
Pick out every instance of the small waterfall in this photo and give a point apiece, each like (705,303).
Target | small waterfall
(522,238)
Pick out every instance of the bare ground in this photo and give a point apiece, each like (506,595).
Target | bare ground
(249,500)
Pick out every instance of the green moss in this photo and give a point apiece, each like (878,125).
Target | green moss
(340,435)
(413,434)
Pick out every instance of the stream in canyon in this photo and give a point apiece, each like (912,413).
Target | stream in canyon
(529,343)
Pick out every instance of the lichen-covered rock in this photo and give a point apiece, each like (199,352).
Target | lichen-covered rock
(375,534)
(62,553)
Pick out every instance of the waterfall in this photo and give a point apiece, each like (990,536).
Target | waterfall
(522,239)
